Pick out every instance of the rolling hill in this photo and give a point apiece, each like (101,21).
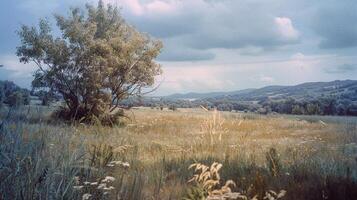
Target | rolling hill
(303,91)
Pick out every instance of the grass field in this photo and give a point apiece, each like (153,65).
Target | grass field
(147,157)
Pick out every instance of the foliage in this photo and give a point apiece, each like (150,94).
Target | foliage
(208,180)
(320,98)
(13,95)
(97,61)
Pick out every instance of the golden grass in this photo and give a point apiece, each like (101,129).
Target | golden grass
(259,153)
(197,133)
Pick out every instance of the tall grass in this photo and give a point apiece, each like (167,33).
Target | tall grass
(149,158)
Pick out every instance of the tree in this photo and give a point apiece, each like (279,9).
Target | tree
(173,107)
(98,61)
(2,95)
(297,110)
(13,95)
(15,99)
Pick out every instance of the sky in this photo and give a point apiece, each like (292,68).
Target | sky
(217,45)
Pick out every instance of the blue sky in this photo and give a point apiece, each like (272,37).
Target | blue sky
(218,45)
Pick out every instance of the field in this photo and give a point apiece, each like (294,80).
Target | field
(149,154)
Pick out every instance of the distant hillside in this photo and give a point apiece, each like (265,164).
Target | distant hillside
(315,98)
(195,96)
(303,91)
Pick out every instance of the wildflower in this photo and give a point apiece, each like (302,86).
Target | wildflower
(78,187)
(109,188)
(287,173)
(86,196)
(126,165)
(110,165)
(108,179)
(94,183)
(102,186)
(86,183)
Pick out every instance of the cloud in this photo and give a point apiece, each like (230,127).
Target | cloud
(139,8)
(286,28)
(266,79)
(340,69)
(185,55)
(15,71)
(335,22)
(205,25)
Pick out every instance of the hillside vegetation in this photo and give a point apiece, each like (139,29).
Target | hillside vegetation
(316,98)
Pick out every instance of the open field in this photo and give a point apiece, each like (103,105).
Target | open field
(311,157)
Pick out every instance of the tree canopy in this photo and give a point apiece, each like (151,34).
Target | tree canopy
(12,95)
(96,62)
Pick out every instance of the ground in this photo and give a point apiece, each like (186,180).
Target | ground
(310,157)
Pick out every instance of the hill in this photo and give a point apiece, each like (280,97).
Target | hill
(313,98)
(195,96)
(302,91)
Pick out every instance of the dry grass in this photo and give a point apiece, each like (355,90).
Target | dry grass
(310,157)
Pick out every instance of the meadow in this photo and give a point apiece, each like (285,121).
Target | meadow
(149,154)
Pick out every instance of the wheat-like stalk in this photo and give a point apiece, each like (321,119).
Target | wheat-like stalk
(213,126)
(208,179)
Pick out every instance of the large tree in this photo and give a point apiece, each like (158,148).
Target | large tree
(96,62)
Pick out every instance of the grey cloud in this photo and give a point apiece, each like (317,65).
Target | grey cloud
(185,55)
(345,68)
(175,50)
(166,26)
(214,24)
(335,22)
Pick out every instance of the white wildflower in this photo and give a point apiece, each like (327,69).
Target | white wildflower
(102,186)
(108,179)
(109,188)
(86,196)
(78,187)
(94,183)
(126,165)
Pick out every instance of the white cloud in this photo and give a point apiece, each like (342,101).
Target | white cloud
(134,6)
(160,7)
(20,70)
(286,28)
(139,8)
(267,79)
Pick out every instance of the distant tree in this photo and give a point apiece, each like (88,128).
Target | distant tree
(173,107)
(328,105)
(297,110)
(98,60)
(312,109)
(13,95)
(2,95)
(262,111)
(15,99)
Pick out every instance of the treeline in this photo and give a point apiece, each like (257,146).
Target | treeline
(13,95)
(329,105)
(321,106)
(318,106)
